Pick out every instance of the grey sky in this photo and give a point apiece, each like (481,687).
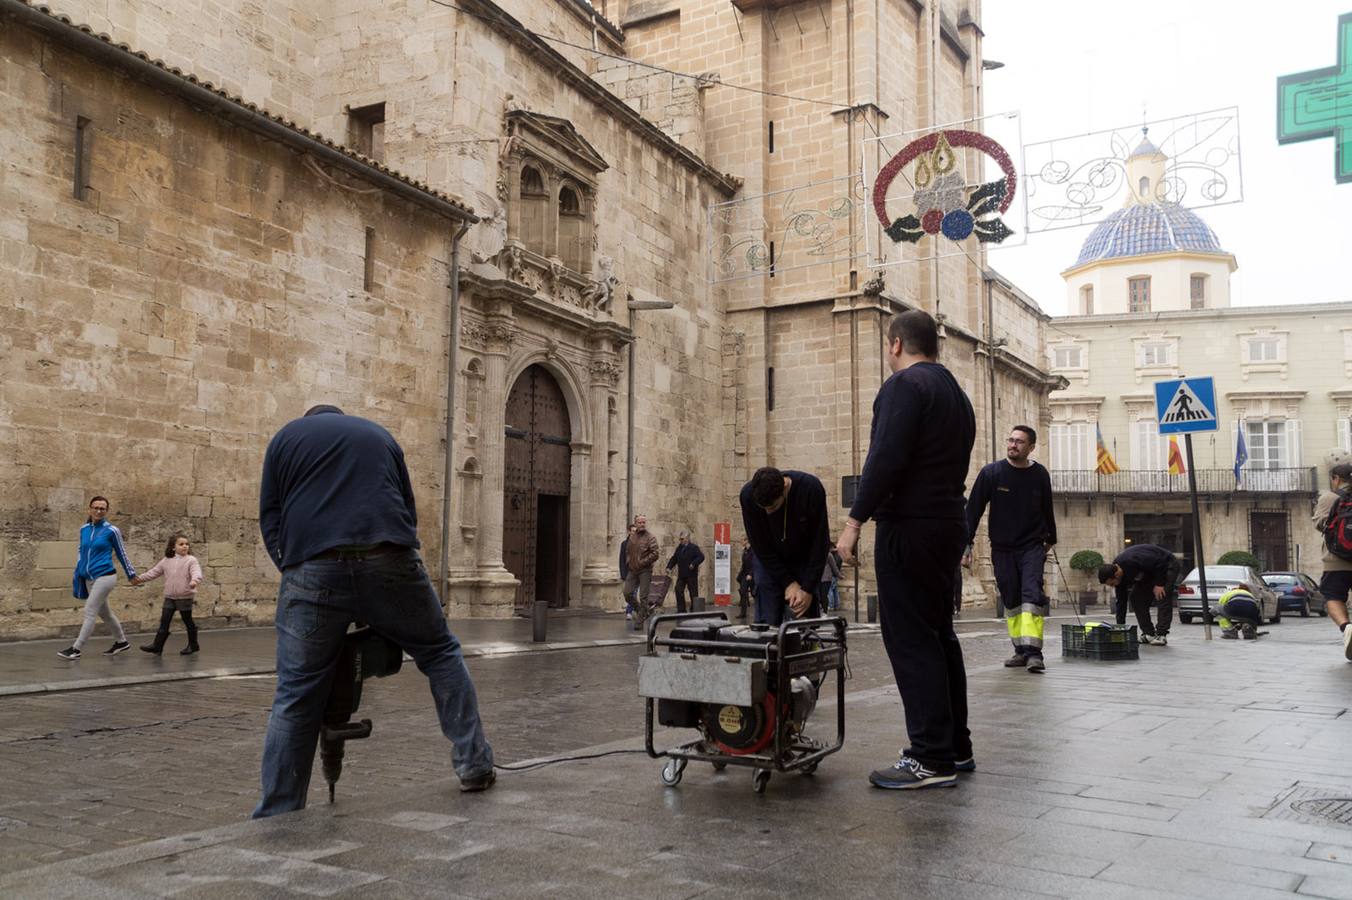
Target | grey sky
(1072,67)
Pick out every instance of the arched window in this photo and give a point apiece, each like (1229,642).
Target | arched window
(1145,187)
(572,230)
(534,210)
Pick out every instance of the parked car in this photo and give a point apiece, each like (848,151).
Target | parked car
(1220,579)
(1296,591)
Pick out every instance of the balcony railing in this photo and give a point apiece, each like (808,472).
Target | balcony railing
(1209,481)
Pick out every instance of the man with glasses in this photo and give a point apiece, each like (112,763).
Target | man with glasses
(1022,527)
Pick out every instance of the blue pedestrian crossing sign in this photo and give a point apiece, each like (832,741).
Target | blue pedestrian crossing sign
(1185,405)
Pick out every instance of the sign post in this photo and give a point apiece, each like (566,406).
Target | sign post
(722,563)
(1185,406)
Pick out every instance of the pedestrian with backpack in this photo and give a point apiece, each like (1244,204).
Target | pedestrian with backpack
(1333,519)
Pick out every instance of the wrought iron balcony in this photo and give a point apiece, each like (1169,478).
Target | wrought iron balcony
(1215,482)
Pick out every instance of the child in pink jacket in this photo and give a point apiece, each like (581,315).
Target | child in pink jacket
(182,574)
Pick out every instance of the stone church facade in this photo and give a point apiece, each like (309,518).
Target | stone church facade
(220,274)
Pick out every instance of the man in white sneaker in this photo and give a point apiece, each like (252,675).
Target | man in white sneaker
(1145,575)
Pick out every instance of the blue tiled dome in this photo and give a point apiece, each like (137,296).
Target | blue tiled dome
(1148,228)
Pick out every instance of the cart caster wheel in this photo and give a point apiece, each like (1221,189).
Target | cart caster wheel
(760,780)
(672,772)
(719,766)
(810,768)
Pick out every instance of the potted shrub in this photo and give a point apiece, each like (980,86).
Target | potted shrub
(1087,562)
(1240,558)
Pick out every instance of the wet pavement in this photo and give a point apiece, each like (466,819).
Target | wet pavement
(1200,770)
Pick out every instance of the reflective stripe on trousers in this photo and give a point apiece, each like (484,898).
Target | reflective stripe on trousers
(1026,625)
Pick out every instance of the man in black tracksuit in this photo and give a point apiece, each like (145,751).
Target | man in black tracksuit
(919,450)
(784,513)
(686,560)
(1022,525)
(1144,574)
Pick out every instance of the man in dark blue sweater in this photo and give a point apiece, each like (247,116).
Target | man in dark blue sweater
(1145,575)
(1022,527)
(919,449)
(337,514)
(784,513)
(686,561)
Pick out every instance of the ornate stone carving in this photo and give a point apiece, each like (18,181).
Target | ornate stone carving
(602,291)
(605,370)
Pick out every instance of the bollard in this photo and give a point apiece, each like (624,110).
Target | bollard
(872,608)
(697,604)
(538,620)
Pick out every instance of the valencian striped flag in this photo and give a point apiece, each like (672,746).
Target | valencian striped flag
(1176,466)
(1106,464)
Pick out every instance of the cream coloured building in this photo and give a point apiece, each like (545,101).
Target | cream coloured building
(1151,286)
(267,213)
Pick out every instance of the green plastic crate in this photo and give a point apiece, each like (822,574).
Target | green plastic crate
(1095,640)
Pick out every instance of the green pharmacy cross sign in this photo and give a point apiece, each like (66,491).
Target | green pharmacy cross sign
(1318,104)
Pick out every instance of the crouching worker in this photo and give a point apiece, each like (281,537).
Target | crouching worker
(1237,612)
(784,513)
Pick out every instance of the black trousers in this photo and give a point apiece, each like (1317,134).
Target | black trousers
(1142,598)
(167,611)
(916,560)
(686,583)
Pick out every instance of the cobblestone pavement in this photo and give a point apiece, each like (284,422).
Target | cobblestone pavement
(1182,774)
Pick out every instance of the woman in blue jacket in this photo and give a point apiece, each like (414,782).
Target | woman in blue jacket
(95,577)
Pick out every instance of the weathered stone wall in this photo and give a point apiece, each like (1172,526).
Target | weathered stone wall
(155,334)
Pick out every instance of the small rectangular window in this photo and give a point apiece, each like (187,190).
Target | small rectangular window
(1068,358)
(1197,291)
(770,388)
(366,130)
(1263,350)
(1138,290)
(82,134)
(369,274)
(1156,354)
(772,136)
(1087,300)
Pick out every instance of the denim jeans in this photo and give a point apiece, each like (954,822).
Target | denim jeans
(316,602)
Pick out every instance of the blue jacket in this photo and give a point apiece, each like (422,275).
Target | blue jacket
(98,543)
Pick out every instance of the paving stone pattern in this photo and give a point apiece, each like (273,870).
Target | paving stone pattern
(1156,778)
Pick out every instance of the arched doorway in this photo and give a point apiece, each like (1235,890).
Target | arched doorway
(536,467)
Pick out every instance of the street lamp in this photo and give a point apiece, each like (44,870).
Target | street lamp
(635,305)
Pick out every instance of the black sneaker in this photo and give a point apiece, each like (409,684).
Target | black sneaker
(71,652)
(908,774)
(476,783)
(966,765)
(117,648)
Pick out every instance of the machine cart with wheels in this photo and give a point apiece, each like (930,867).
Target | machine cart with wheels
(747,689)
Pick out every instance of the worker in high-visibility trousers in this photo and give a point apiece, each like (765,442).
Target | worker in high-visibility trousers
(1238,613)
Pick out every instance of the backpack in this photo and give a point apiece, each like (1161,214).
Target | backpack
(1338,527)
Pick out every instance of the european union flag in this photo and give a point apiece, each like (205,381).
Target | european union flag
(1241,453)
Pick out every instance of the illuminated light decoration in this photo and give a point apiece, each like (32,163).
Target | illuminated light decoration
(1315,104)
(941,207)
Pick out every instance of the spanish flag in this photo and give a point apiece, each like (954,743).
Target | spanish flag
(1106,464)
(1176,466)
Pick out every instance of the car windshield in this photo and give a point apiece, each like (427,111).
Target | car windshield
(1220,573)
(1274,580)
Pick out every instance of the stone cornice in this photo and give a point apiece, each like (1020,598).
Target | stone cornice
(561,68)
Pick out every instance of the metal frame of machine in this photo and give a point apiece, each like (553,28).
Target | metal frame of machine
(747,681)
